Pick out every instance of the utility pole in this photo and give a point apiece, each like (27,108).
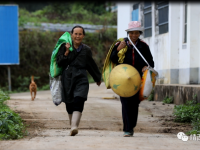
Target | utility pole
(9,79)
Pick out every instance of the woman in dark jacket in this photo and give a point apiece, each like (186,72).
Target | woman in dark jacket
(130,104)
(74,77)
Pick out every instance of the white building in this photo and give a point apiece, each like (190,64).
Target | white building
(172,30)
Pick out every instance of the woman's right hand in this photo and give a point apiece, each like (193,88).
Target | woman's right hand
(121,45)
(98,83)
(67,45)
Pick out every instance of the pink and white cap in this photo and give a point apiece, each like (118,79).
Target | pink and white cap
(134,26)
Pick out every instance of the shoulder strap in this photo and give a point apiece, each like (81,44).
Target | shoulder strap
(138,51)
(149,67)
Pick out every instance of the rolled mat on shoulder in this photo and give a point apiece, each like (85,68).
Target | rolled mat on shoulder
(109,65)
(54,69)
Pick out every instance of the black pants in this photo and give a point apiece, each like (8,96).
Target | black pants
(130,112)
(76,105)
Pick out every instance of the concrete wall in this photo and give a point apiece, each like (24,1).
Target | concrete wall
(180,93)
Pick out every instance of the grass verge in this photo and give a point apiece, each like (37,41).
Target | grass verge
(11,124)
(189,112)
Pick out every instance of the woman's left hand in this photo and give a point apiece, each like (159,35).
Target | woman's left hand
(144,68)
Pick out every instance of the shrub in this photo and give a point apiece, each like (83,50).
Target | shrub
(168,100)
(11,125)
(44,87)
(196,126)
(3,98)
(189,112)
(151,96)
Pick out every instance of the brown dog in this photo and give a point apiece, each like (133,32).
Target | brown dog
(33,88)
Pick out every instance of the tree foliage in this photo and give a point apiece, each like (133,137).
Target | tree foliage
(96,7)
(65,12)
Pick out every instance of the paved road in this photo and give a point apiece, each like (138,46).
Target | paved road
(100,127)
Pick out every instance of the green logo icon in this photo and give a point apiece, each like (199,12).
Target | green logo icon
(125,68)
(115,86)
(135,87)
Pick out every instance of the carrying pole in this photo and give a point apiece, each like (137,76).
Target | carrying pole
(9,79)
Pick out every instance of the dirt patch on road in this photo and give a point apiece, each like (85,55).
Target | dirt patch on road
(164,117)
(174,127)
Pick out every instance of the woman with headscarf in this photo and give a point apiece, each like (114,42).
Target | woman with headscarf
(130,104)
(74,76)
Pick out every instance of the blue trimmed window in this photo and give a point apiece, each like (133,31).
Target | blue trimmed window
(147,19)
(163,7)
(135,16)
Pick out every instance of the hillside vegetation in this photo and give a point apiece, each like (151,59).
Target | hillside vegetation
(77,12)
